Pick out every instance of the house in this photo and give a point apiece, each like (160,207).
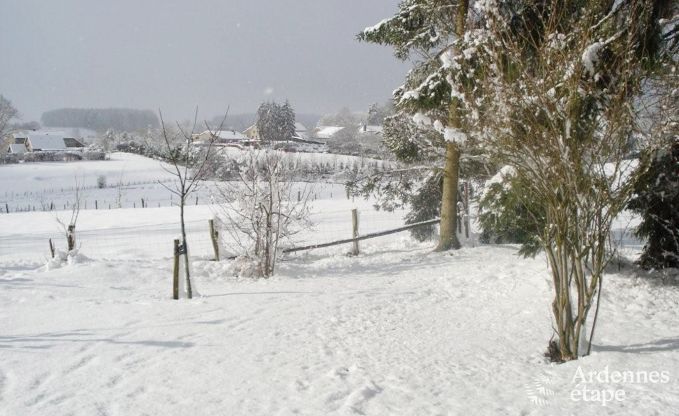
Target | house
(301,132)
(251,132)
(224,138)
(370,129)
(43,141)
(327,132)
(17,149)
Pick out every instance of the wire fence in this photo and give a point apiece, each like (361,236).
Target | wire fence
(155,241)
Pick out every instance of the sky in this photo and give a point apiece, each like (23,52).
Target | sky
(175,55)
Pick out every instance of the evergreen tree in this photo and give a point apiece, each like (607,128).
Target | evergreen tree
(435,90)
(275,122)
(657,199)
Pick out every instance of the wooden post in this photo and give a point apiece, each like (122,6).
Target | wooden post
(142,203)
(7,207)
(96,204)
(70,237)
(354,231)
(299,195)
(214,236)
(51,248)
(466,209)
(196,200)
(175,271)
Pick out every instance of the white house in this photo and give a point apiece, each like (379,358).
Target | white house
(327,132)
(42,141)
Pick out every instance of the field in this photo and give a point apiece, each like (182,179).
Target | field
(397,330)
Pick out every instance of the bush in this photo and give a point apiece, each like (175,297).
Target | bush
(425,205)
(101,181)
(505,214)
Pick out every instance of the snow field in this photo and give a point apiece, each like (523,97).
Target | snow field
(397,330)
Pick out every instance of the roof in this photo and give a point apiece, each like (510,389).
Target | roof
(223,135)
(370,129)
(299,126)
(17,148)
(46,141)
(230,135)
(326,132)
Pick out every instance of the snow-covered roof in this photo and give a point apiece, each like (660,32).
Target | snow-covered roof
(17,148)
(326,132)
(46,141)
(229,135)
(371,129)
(299,127)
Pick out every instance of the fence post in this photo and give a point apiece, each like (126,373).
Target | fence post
(354,231)
(51,248)
(70,237)
(175,271)
(214,236)
(466,209)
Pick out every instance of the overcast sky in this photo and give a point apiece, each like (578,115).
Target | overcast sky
(176,54)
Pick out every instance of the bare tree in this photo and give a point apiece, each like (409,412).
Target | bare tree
(260,209)
(188,163)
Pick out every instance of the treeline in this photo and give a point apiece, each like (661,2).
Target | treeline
(101,119)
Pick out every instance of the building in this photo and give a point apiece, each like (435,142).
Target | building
(42,141)
(327,132)
(224,138)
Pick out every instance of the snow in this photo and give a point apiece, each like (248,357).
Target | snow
(421,119)
(590,57)
(454,135)
(397,330)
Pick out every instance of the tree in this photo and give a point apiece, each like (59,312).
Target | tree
(560,83)
(8,113)
(275,122)
(378,113)
(188,163)
(507,214)
(435,90)
(260,210)
(101,119)
(656,198)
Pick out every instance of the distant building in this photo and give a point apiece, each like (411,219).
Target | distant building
(301,131)
(43,141)
(327,132)
(370,129)
(224,138)
(17,149)
(251,132)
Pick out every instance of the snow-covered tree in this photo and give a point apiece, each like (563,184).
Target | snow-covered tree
(656,198)
(260,209)
(437,92)
(8,113)
(560,83)
(275,122)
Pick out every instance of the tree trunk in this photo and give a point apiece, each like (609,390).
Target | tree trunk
(448,228)
(451,175)
(189,291)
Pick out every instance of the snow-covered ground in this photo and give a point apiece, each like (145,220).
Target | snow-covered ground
(397,330)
